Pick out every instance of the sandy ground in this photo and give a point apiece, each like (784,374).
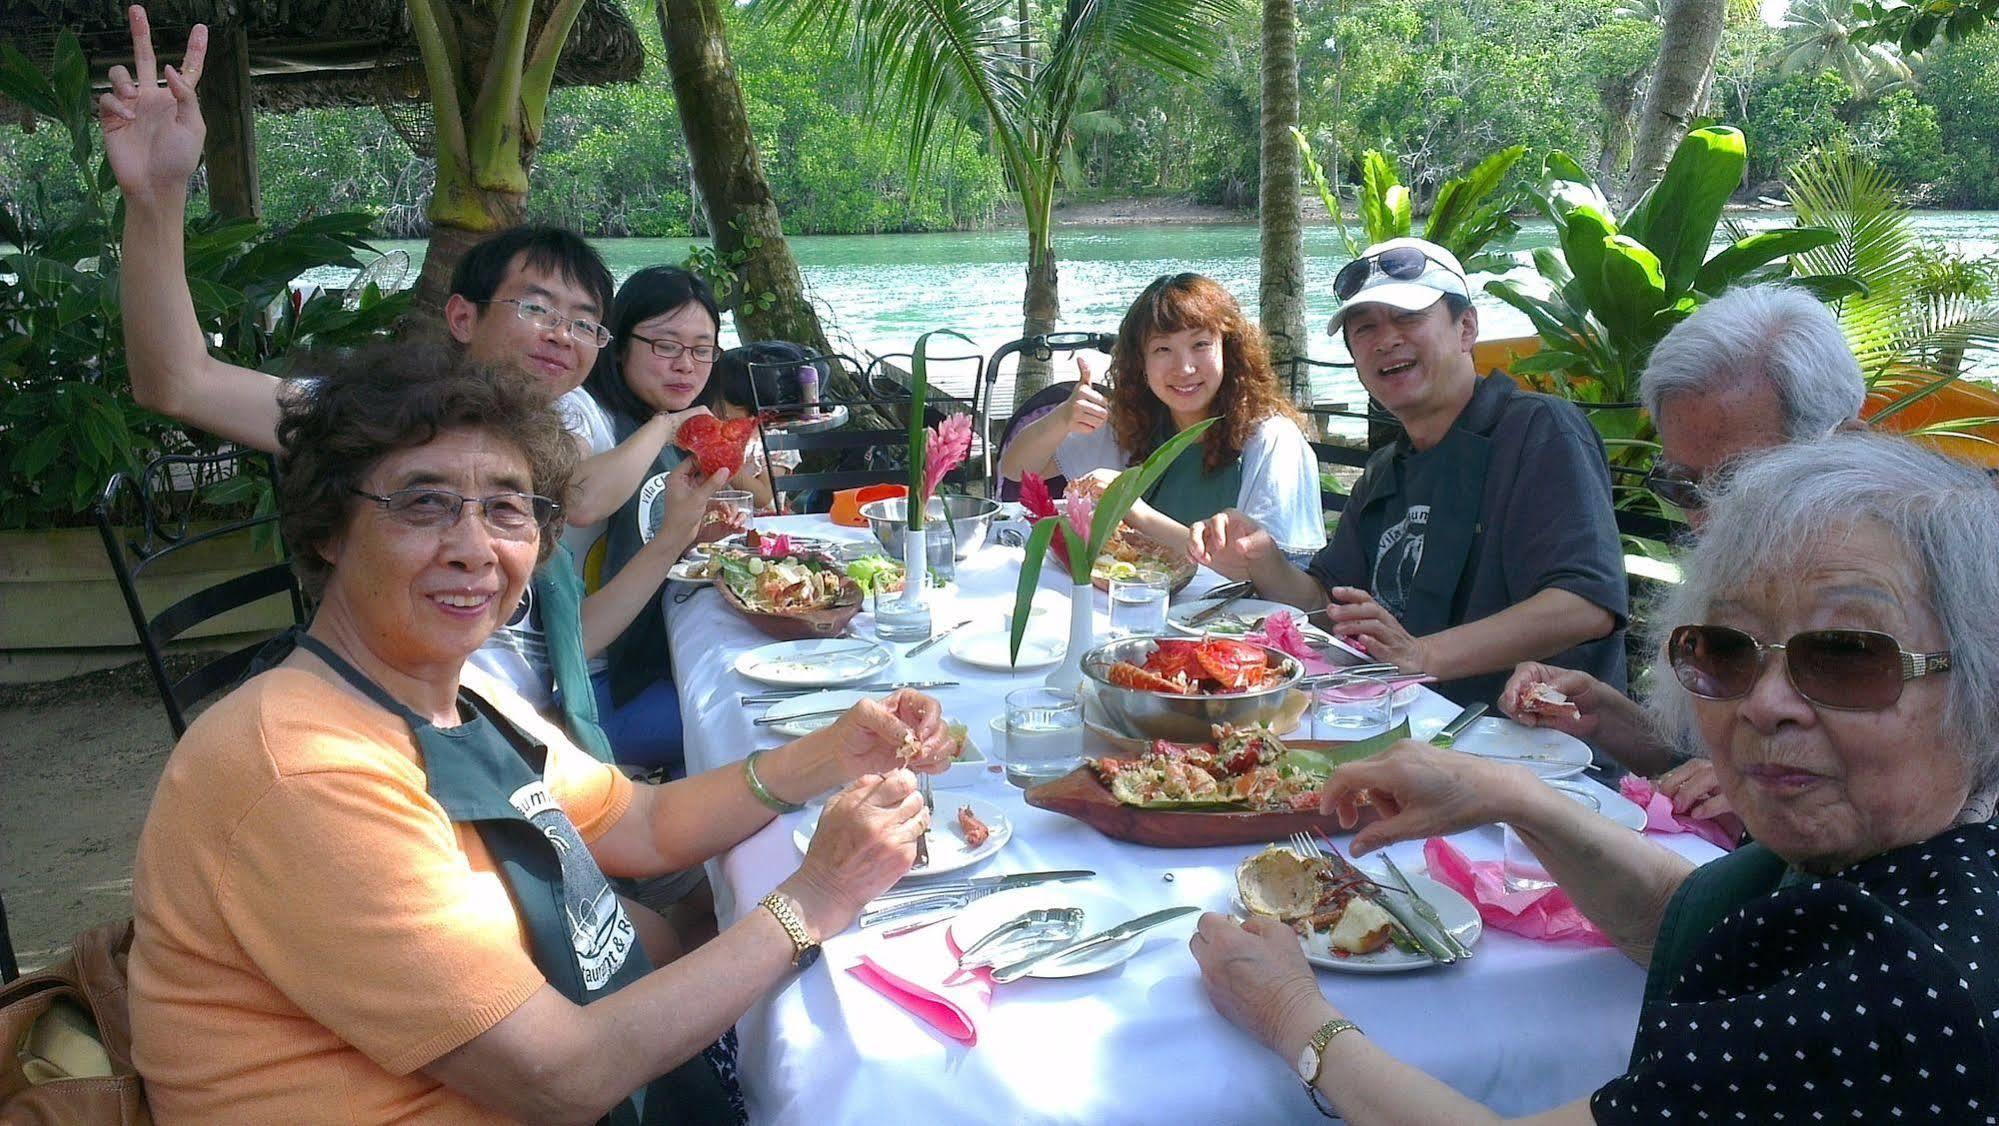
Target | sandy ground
(78,762)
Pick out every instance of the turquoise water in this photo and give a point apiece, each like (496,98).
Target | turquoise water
(877,293)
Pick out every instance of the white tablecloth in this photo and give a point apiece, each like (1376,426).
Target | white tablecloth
(1521,1027)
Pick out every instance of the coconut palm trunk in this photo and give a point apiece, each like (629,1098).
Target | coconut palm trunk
(770,302)
(1281,235)
(1679,86)
(489,83)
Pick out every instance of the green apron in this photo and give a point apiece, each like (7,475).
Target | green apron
(488,772)
(1188,493)
(1710,894)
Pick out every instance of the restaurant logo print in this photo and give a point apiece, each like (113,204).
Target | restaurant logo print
(599,931)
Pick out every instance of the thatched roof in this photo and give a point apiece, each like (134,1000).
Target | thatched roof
(310,53)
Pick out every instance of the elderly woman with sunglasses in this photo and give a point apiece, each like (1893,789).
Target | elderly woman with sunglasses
(373,887)
(1835,641)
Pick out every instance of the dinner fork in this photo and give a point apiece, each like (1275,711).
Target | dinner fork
(929,808)
(1437,951)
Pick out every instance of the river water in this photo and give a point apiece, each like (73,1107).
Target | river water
(878,293)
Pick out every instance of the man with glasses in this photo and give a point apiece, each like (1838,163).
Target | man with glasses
(1479,538)
(1757,368)
(530,297)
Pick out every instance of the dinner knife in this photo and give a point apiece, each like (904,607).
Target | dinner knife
(1104,938)
(1365,887)
(925,646)
(942,898)
(768,720)
(1450,731)
(778,697)
(1201,616)
(1424,909)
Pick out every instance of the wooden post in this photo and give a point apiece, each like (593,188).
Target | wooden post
(230,149)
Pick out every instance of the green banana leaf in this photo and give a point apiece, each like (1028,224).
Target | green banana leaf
(1633,288)
(1727,267)
(1318,763)
(1676,219)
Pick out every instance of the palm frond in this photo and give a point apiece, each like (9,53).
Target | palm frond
(1172,38)
(930,62)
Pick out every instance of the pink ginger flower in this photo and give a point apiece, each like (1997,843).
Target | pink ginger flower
(1081,511)
(949,445)
(1034,496)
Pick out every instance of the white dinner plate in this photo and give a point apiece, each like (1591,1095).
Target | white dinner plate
(1245,615)
(689,570)
(991,650)
(947,848)
(1101,912)
(1613,806)
(1543,750)
(841,698)
(1457,913)
(823,662)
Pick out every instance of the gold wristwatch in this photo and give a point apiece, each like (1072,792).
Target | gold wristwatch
(1312,1058)
(804,950)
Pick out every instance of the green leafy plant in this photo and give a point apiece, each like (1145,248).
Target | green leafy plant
(68,421)
(1469,214)
(1920,312)
(1117,500)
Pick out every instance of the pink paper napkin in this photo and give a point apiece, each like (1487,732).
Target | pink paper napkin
(1280,631)
(1547,915)
(1660,818)
(919,971)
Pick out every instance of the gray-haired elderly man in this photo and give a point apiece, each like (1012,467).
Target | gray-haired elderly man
(1754,369)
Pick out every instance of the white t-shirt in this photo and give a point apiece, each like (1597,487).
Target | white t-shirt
(517,653)
(1280,479)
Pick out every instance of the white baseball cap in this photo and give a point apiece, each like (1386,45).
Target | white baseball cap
(1436,271)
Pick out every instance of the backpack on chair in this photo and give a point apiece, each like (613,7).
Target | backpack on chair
(67,1032)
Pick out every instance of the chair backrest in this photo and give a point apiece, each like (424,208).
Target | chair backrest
(159,515)
(1036,406)
(1042,347)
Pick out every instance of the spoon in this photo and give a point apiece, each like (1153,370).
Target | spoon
(1043,926)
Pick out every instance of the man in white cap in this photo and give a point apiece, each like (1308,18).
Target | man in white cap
(1480,538)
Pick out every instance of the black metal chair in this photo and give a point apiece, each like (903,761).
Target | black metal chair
(9,967)
(157,516)
(859,455)
(1037,405)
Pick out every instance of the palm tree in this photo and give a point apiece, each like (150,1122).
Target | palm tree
(1281,235)
(1824,35)
(1692,31)
(933,63)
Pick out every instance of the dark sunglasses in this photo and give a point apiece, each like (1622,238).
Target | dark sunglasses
(1847,669)
(1403,263)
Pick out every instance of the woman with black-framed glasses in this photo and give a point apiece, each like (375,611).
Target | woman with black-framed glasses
(1833,642)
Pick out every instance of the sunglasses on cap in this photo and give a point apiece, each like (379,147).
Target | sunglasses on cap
(1845,669)
(1401,263)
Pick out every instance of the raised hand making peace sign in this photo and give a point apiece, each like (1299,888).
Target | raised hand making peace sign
(153,133)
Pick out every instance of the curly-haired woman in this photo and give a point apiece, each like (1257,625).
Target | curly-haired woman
(1194,356)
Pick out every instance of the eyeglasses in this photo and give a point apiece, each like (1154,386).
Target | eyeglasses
(1845,669)
(513,516)
(674,349)
(1676,487)
(543,317)
(1402,263)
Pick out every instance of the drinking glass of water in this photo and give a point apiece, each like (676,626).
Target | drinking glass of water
(1520,868)
(1352,707)
(738,506)
(1044,735)
(1138,604)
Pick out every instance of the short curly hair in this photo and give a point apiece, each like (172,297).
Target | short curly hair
(1249,392)
(350,408)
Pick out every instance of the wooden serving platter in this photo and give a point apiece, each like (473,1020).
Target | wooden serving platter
(1081,795)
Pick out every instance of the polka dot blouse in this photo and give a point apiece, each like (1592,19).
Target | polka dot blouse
(1864,996)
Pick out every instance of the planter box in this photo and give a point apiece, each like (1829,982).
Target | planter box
(57,591)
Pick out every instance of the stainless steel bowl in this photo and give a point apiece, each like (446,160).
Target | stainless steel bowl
(1139,713)
(971,517)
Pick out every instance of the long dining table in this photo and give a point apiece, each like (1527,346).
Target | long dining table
(1522,1026)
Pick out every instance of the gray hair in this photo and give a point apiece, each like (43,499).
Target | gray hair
(1784,504)
(1771,331)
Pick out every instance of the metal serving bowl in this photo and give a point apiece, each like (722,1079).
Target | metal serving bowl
(971,517)
(1145,714)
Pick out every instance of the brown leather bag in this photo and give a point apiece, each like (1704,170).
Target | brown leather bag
(67,1034)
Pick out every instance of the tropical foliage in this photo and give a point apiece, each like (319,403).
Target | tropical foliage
(1619,284)
(67,417)
(1470,212)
